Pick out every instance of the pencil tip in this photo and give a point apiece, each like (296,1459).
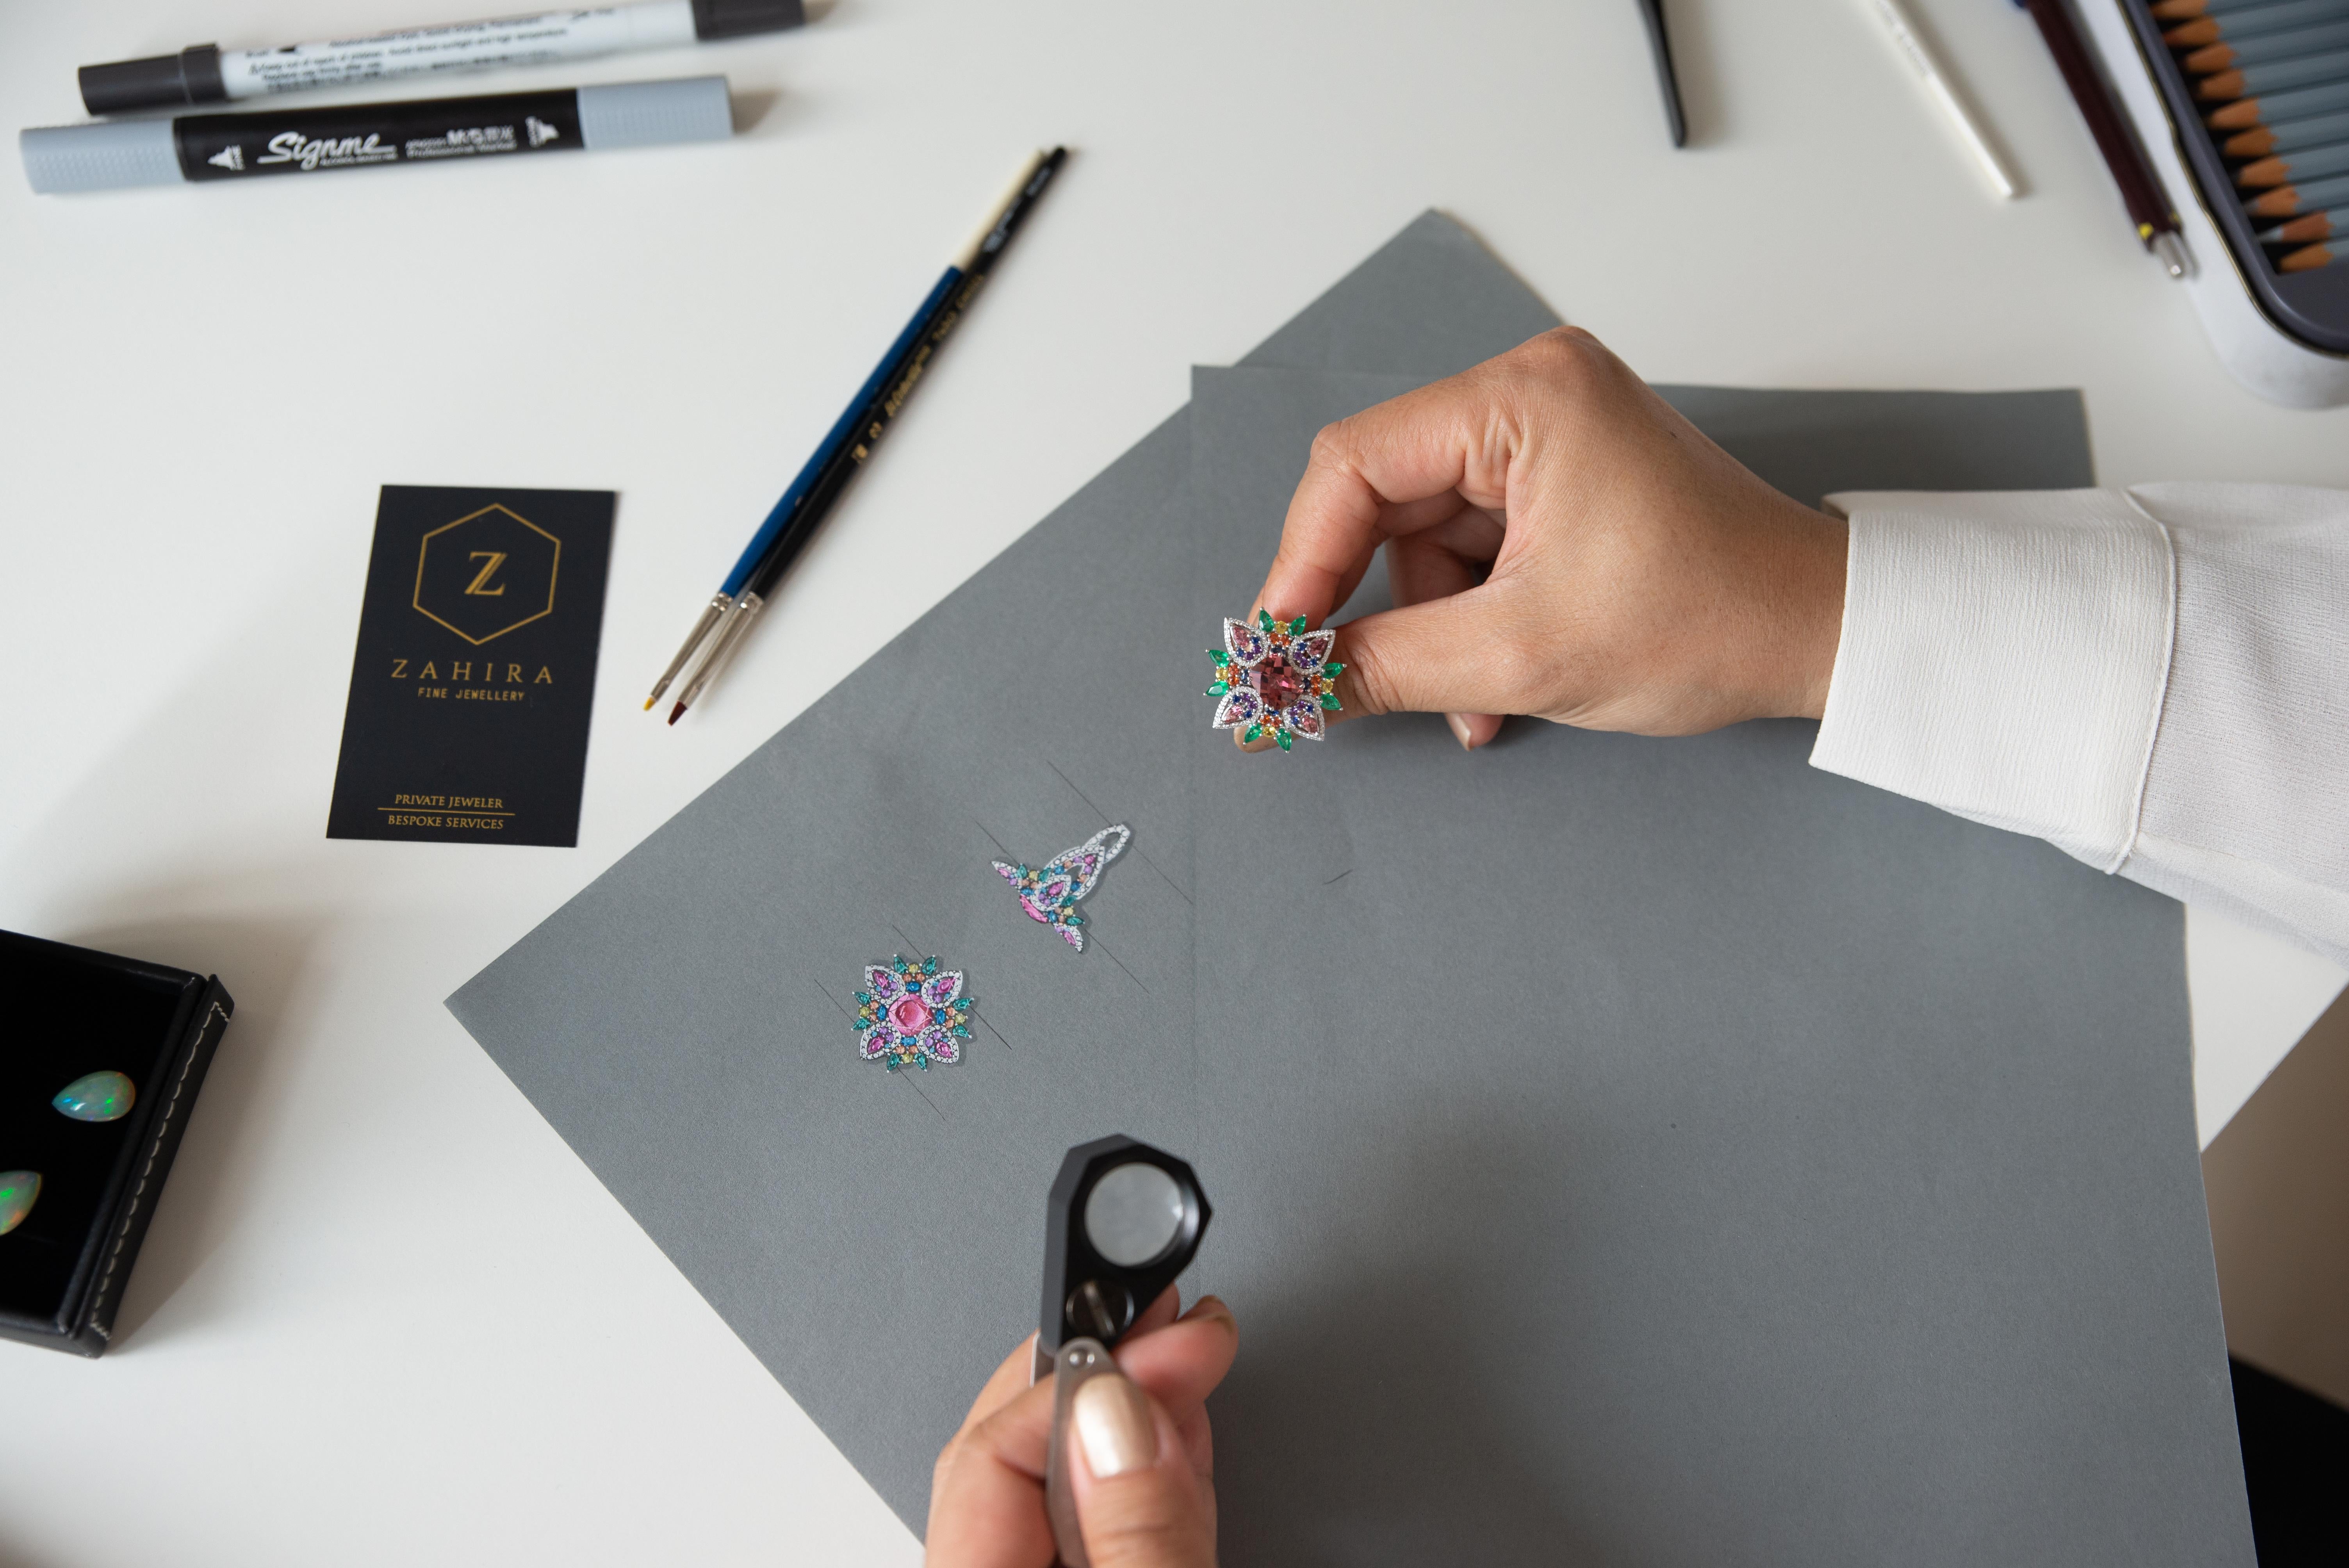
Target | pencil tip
(677,713)
(650,700)
(2217,88)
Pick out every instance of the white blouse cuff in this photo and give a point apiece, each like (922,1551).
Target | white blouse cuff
(2003,656)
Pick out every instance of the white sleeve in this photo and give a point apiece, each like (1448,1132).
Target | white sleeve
(2155,679)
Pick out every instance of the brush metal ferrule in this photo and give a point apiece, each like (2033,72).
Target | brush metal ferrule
(722,645)
(719,605)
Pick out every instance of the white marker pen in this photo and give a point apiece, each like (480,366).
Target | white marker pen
(209,74)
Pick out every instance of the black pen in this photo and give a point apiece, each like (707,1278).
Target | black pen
(1652,13)
(842,454)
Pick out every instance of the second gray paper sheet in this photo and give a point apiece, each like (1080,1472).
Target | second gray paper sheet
(1659,1152)
(876,1241)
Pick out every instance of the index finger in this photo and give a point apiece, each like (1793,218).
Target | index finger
(1008,1382)
(1390,471)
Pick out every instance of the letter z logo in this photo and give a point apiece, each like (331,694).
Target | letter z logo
(480,584)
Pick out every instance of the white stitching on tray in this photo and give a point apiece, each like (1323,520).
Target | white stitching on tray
(98,1302)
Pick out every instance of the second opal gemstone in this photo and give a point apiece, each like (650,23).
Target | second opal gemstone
(18,1191)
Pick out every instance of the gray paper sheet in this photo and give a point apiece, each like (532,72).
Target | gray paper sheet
(684,1021)
(1637,1151)
(682,1024)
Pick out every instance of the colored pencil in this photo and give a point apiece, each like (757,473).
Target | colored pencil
(2314,164)
(836,464)
(2315,256)
(2291,201)
(2268,48)
(2277,108)
(2181,10)
(2254,21)
(2277,77)
(2309,227)
(2292,135)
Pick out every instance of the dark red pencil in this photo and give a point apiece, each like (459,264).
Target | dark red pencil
(2148,208)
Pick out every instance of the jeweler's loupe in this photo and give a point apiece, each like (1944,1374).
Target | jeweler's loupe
(1123,1221)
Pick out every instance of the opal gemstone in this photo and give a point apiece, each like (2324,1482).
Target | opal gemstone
(97,1097)
(18,1191)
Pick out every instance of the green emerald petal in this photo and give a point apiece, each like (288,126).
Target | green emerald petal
(1264,620)
(1219,689)
(1298,624)
(1328,703)
(1284,740)
(1220,656)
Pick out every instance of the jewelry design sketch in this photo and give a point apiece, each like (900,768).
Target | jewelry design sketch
(1050,894)
(1275,677)
(909,1015)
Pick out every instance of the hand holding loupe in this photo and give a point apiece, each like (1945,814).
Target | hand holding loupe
(1123,1221)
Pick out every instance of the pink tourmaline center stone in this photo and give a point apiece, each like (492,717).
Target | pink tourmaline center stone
(1278,684)
(909,1015)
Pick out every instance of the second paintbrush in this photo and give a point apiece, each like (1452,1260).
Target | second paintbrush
(843,453)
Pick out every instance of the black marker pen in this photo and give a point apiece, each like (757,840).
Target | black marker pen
(208,74)
(205,146)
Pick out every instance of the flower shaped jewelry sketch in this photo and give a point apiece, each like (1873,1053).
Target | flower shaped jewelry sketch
(1275,678)
(911,1015)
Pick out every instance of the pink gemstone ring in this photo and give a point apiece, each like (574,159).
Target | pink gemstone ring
(1275,679)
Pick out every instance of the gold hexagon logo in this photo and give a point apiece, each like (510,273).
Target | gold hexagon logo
(487,574)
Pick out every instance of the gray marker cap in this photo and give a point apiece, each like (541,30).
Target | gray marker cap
(648,114)
(105,157)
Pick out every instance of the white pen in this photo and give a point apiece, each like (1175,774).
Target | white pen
(209,74)
(1911,45)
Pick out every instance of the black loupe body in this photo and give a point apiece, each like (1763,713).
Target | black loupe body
(1123,1221)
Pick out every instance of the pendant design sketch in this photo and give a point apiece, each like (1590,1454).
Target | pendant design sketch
(909,1015)
(1275,677)
(1050,894)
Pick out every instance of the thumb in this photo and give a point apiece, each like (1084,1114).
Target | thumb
(1457,655)
(1139,1501)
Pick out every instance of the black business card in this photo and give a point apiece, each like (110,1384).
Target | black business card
(476,670)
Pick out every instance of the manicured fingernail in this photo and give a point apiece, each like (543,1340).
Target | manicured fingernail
(1459,723)
(1113,1424)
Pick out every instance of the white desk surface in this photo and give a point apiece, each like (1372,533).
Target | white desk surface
(384,1314)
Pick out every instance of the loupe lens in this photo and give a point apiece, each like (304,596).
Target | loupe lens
(1133,1215)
